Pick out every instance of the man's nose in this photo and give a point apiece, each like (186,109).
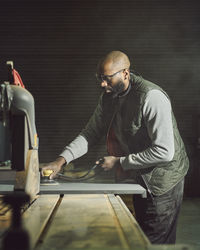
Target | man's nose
(104,84)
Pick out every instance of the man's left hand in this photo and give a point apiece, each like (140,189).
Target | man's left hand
(109,162)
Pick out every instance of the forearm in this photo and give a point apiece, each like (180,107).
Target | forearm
(147,158)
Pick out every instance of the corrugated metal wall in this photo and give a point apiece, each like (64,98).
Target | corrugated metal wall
(56,45)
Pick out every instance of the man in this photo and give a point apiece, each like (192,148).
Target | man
(142,140)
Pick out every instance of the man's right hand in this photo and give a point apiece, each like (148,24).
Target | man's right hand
(55,166)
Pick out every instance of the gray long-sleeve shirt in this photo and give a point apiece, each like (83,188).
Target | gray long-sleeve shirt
(158,120)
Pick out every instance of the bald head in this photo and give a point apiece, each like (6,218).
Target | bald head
(113,72)
(113,61)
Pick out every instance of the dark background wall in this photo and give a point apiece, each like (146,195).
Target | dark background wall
(56,45)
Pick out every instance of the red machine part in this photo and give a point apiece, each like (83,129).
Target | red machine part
(17,79)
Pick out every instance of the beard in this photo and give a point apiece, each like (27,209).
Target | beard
(117,89)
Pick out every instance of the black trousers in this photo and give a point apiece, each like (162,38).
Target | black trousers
(157,215)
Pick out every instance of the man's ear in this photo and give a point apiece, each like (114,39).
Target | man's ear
(126,74)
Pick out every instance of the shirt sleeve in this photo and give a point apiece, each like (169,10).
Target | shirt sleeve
(158,119)
(77,148)
(88,136)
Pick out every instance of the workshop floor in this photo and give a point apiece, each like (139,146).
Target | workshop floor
(189,222)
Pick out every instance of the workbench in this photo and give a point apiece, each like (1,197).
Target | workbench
(90,221)
(82,216)
(83,221)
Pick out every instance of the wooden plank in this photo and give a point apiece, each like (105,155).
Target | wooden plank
(93,188)
(133,232)
(86,221)
(28,179)
(173,247)
(36,217)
